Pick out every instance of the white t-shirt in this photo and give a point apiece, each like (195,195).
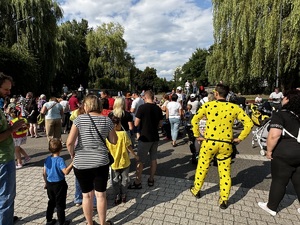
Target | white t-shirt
(258,99)
(276,96)
(136,103)
(173,108)
(65,105)
(187,85)
(195,106)
(179,99)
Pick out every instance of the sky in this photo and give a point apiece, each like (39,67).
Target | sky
(162,34)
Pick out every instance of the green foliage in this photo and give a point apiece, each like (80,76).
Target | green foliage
(246,44)
(23,68)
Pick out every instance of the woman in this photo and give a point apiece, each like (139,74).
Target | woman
(174,114)
(54,112)
(166,128)
(91,162)
(120,112)
(32,113)
(283,150)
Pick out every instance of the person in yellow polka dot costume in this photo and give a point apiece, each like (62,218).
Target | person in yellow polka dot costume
(218,140)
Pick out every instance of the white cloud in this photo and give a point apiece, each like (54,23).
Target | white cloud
(159,33)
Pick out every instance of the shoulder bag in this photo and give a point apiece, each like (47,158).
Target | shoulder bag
(41,116)
(110,157)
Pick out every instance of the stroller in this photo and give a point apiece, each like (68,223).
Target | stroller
(260,135)
(260,112)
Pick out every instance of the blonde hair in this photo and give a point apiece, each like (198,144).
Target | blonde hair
(93,104)
(211,97)
(119,107)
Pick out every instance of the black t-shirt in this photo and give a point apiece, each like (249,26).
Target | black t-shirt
(149,115)
(287,147)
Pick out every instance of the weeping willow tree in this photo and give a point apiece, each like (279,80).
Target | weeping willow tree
(30,26)
(246,48)
(108,58)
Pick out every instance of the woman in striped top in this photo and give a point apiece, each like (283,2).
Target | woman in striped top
(90,156)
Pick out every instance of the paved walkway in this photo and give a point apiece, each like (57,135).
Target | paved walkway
(168,202)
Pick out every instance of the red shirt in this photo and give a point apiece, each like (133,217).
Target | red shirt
(73,102)
(111,102)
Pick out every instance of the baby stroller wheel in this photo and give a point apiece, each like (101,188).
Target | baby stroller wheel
(253,143)
(262,152)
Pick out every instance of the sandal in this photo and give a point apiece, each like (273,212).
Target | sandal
(135,186)
(150,183)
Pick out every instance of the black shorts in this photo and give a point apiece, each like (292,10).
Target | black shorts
(90,179)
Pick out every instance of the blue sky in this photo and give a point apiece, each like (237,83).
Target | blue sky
(161,34)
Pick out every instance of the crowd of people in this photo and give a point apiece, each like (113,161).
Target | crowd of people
(98,127)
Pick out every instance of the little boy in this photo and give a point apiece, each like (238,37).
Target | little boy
(121,164)
(54,175)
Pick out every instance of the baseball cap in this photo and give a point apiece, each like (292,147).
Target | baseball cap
(179,88)
(193,95)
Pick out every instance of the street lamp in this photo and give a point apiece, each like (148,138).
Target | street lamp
(279,42)
(17,31)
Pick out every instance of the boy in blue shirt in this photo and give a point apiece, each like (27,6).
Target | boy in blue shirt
(54,175)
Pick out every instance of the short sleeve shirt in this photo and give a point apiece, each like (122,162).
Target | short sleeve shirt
(54,112)
(7,148)
(150,115)
(54,167)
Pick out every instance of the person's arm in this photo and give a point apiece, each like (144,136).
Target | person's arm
(71,140)
(129,148)
(137,121)
(45,177)
(68,169)
(273,137)
(167,113)
(44,109)
(195,122)
(248,124)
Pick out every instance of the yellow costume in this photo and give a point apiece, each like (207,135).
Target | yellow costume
(218,138)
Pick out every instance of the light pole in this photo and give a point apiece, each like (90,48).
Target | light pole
(17,31)
(279,45)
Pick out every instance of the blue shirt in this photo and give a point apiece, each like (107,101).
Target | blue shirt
(54,167)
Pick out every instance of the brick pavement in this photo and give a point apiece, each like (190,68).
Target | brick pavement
(168,202)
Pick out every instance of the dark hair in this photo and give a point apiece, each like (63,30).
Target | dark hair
(174,97)
(115,119)
(294,101)
(222,89)
(4,77)
(55,145)
(104,102)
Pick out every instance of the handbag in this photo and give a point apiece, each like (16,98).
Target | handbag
(41,116)
(110,157)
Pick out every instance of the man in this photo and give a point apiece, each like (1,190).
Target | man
(179,94)
(194,102)
(73,102)
(7,158)
(187,87)
(149,118)
(65,89)
(136,103)
(218,140)
(276,98)
(194,84)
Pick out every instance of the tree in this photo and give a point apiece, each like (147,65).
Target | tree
(195,67)
(72,63)
(106,47)
(147,79)
(246,35)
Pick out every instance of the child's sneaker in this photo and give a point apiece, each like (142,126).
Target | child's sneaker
(19,166)
(27,160)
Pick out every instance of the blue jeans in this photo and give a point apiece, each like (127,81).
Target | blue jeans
(7,192)
(78,194)
(175,122)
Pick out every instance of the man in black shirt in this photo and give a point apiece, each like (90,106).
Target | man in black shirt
(149,118)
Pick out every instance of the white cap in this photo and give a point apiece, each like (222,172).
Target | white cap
(193,95)
(179,88)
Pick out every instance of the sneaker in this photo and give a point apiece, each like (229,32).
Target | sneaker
(298,210)
(78,204)
(224,205)
(195,193)
(264,206)
(52,222)
(19,166)
(16,219)
(27,160)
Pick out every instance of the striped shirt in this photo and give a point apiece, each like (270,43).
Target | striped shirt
(90,151)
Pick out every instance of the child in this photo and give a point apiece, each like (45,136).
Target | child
(19,137)
(122,161)
(54,175)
